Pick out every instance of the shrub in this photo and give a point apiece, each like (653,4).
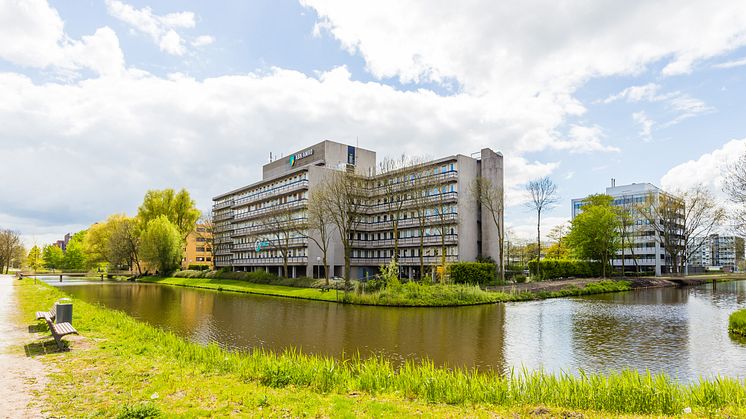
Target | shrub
(390,274)
(737,322)
(563,268)
(473,273)
(198,267)
(139,411)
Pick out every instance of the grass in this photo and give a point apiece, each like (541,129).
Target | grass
(123,365)
(406,295)
(737,322)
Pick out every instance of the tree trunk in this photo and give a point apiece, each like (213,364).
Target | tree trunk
(538,245)
(326,269)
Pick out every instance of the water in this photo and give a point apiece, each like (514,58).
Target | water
(680,331)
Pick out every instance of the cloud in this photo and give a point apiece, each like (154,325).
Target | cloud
(731,64)
(583,139)
(707,169)
(645,123)
(33,36)
(161,29)
(647,92)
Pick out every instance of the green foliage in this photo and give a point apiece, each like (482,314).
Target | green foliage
(161,244)
(75,253)
(473,272)
(138,359)
(256,277)
(198,267)
(139,411)
(413,294)
(34,259)
(558,268)
(390,274)
(178,207)
(595,231)
(737,322)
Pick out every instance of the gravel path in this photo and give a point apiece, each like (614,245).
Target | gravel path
(21,377)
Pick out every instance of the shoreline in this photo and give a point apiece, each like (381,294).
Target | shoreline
(122,364)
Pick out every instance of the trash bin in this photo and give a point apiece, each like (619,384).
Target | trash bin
(64,311)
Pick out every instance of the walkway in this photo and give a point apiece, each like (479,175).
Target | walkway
(20,376)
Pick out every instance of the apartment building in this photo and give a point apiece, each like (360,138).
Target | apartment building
(448,218)
(198,249)
(646,252)
(717,252)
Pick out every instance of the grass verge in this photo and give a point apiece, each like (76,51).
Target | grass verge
(122,365)
(406,295)
(737,322)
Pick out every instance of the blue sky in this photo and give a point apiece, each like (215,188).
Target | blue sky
(102,100)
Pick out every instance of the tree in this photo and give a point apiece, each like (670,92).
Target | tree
(543,194)
(34,259)
(734,186)
(52,256)
(665,215)
(560,249)
(10,247)
(594,234)
(625,210)
(491,196)
(282,224)
(178,207)
(317,228)
(702,215)
(124,242)
(206,231)
(97,242)
(75,253)
(161,244)
(345,205)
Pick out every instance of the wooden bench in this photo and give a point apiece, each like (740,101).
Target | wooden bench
(326,288)
(59,330)
(51,314)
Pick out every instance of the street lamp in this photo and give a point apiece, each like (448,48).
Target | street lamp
(318,271)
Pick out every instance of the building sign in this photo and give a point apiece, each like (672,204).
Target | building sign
(297,156)
(260,245)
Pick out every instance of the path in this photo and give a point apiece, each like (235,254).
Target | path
(20,376)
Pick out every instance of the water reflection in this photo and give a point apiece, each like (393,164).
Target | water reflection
(682,332)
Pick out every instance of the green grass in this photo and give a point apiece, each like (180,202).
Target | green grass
(124,365)
(737,322)
(405,295)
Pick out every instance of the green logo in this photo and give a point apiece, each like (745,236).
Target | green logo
(292,160)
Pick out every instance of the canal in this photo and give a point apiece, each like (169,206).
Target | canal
(679,331)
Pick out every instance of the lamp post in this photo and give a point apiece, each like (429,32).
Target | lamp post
(318,271)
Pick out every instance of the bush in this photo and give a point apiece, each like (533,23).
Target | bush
(520,278)
(198,267)
(473,273)
(563,268)
(737,322)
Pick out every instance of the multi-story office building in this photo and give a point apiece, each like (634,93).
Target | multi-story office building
(448,217)
(198,249)
(717,252)
(646,252)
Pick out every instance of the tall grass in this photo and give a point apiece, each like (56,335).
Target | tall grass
(737,322)
(415,294)
(619,392)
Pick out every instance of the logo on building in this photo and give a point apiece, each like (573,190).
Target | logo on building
(297,156)
(260,245)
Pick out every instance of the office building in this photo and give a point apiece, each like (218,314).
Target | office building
(198,250)
(717,252)
(646,252)
(245,219)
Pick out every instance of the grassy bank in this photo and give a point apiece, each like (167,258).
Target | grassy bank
(121,365)
(737,322)
(405,295)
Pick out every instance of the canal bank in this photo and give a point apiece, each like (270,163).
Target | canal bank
(125,364)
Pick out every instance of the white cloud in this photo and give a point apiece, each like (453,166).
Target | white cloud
(731,64)
(32,35)
(583,139)
(647,92)
(645,123)
(707,169)
(161,29)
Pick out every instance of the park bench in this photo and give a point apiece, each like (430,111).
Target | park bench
(59,330)
(40,315)
(326,288)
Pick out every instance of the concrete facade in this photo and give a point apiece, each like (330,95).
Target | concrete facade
(717,252)
(447,216)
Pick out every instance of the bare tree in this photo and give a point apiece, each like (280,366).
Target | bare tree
(735,186)
(490,195)
(625,212)
(665,215)
(10,246)
(419,197)
(281,223)
(317,226)
(394,175)
(702,215)
(543,197)
(345,203)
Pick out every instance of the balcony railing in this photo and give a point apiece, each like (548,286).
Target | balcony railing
(245,231)
(227,216)
(269,261)
(408,261)
(388,225)
(447,197)
(408,185)
(404,241)
(221,205)
(269,210)
(300,184)
(274,244)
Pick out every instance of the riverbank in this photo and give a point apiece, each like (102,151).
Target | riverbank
(121,364)
(406,295)
(737,322)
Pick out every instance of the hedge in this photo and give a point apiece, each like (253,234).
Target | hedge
(473,272)
(563,268)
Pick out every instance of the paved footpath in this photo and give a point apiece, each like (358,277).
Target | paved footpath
(20,376)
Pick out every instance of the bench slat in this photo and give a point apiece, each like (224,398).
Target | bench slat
(62,329)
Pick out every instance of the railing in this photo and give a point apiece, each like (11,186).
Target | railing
(270,261)
(269,210)
(243,231)
(299,184)
(408,260)
(414,203)
(404,241)
(227,216)
(407,222)
(221,205)
(408,185)
(273,244)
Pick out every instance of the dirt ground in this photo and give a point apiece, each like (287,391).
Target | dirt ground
(22,378)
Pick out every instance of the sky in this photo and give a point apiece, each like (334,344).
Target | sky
(101,101)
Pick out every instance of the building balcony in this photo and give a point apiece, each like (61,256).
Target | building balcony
(224,204)
(450,239)
(403,261)
(263,228)
(221,217)
(274,261)
(445,198)
(274,244)
(270,210)
(408,185)
(294,186)
(430,220)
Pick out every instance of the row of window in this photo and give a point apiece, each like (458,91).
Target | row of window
(387,253)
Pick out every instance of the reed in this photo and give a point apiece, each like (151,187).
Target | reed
(737,322)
